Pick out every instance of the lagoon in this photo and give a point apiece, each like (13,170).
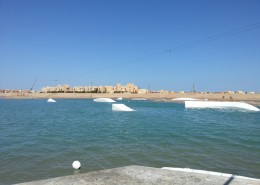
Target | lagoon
(40,140)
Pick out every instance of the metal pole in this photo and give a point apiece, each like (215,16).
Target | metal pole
(91,89)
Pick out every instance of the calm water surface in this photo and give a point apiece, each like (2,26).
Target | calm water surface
(40,140)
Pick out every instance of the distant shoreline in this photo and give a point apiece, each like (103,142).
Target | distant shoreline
(253,98)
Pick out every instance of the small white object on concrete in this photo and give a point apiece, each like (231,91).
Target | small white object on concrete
(76,165)
(103,100)
(218,104)
(51,100)
(121,107)
(185,99)
(119,98)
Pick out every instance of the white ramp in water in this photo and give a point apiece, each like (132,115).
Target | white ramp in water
(103,100)
(217,104)
(51,100)
(121,107)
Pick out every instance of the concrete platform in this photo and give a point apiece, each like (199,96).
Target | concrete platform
(133,175)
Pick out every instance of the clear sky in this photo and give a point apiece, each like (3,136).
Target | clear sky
(104,42)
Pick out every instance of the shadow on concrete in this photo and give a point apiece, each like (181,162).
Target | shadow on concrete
(229,180)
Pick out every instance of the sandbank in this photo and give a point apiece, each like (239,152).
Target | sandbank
(250,98)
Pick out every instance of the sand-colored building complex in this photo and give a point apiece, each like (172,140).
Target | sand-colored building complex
(119,88)
(129,88)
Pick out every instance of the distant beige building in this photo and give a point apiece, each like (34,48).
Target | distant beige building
(79,89)
(240,92)
(88,88)
(230,92)
(101,89)
(131,88)
(110,89)
(143,91)
(64,88)
(58,88)
(163,91)
(119,88)
(48,89)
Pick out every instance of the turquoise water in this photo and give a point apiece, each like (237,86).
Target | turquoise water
(40,140)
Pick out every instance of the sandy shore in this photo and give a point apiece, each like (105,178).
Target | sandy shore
(251,98)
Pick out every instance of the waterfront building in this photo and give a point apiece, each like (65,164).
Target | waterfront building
(79,89)
(110,89)
(143,91)
(230,92)
(131,88)
(240,92)
(119,88)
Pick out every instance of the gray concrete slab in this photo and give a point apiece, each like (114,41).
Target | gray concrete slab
(133,175)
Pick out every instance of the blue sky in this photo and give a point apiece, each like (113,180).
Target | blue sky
(105,42)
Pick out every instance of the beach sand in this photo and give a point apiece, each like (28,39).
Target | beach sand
(249,98)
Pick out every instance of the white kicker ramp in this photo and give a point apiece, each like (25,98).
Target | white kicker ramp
(218,104)
(50,100)
(104,100)
(121,107)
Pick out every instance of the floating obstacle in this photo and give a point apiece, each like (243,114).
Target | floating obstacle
(119,98)
(50,100)
(121,107)
(217,104)
(104,100)
(76,165)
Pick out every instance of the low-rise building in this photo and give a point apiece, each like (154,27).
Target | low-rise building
(230,92)
(129,88)
(79,89)
(240,92)
(110,89)
(163,91)
(143,91)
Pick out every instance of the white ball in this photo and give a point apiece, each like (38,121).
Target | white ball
(76,165)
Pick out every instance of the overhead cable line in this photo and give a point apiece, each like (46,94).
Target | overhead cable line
(192,44)
(216,37)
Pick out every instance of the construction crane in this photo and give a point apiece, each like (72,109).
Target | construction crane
(33,84)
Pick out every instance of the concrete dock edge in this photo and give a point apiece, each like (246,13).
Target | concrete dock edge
(144,175)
